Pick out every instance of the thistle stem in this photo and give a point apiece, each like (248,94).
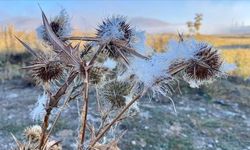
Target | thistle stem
(84,109)
(102,133)
(44,128)
(53,101)
(67,99)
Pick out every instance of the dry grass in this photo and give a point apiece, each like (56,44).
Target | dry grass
(241,58)
(224,40)
(8,44)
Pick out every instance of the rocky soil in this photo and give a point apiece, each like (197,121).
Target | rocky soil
(215,117)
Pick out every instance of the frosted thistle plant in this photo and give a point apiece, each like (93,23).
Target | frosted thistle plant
(127,71)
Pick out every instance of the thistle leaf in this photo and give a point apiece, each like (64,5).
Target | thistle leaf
(31,51)
(57,43)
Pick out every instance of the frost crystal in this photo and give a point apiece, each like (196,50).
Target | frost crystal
(39,111)
(156,68)
(148,71)
(60,25)
(112,29)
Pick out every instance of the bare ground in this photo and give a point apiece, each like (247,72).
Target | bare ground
(215,117)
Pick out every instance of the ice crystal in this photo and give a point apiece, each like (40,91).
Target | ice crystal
(39,111)
(114,28)
(60,26)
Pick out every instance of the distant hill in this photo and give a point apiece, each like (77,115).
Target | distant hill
(152,25)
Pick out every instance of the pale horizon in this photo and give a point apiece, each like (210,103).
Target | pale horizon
(220,17)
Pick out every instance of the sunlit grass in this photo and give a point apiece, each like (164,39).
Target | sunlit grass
(241,57)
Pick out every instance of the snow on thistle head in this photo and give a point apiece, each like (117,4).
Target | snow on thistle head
(118,38)
(60,26)
(199,62)
(114,28)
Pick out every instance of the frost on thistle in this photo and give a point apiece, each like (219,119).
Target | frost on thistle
(117,36)
(39,111)
(60,26)
(198,62)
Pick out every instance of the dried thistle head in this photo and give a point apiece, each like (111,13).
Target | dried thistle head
(60,26)
(45,70)
(116,91)
(116,34)
(205,65)
(96,74)
(33,134)
(114,28)
(111,31)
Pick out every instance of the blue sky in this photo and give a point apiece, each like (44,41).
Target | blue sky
(217,14)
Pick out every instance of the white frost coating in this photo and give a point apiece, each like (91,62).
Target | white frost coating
(111,30)
(156,67)
(39,111)
(65,29)
(183,50)
(110,63)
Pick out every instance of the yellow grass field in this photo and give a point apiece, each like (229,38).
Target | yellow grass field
(241,57)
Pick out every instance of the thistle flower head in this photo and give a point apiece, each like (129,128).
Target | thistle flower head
(45,70)
(96,75)
(60,26)
(33,133)
(116,91)
(205,65)
(117,36)
(114,28)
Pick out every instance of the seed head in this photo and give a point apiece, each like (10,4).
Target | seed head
(114,28)
(33,134)
(205,65)
(45,70)
(96,74)
(60,26)
(116,91)
(117,35)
